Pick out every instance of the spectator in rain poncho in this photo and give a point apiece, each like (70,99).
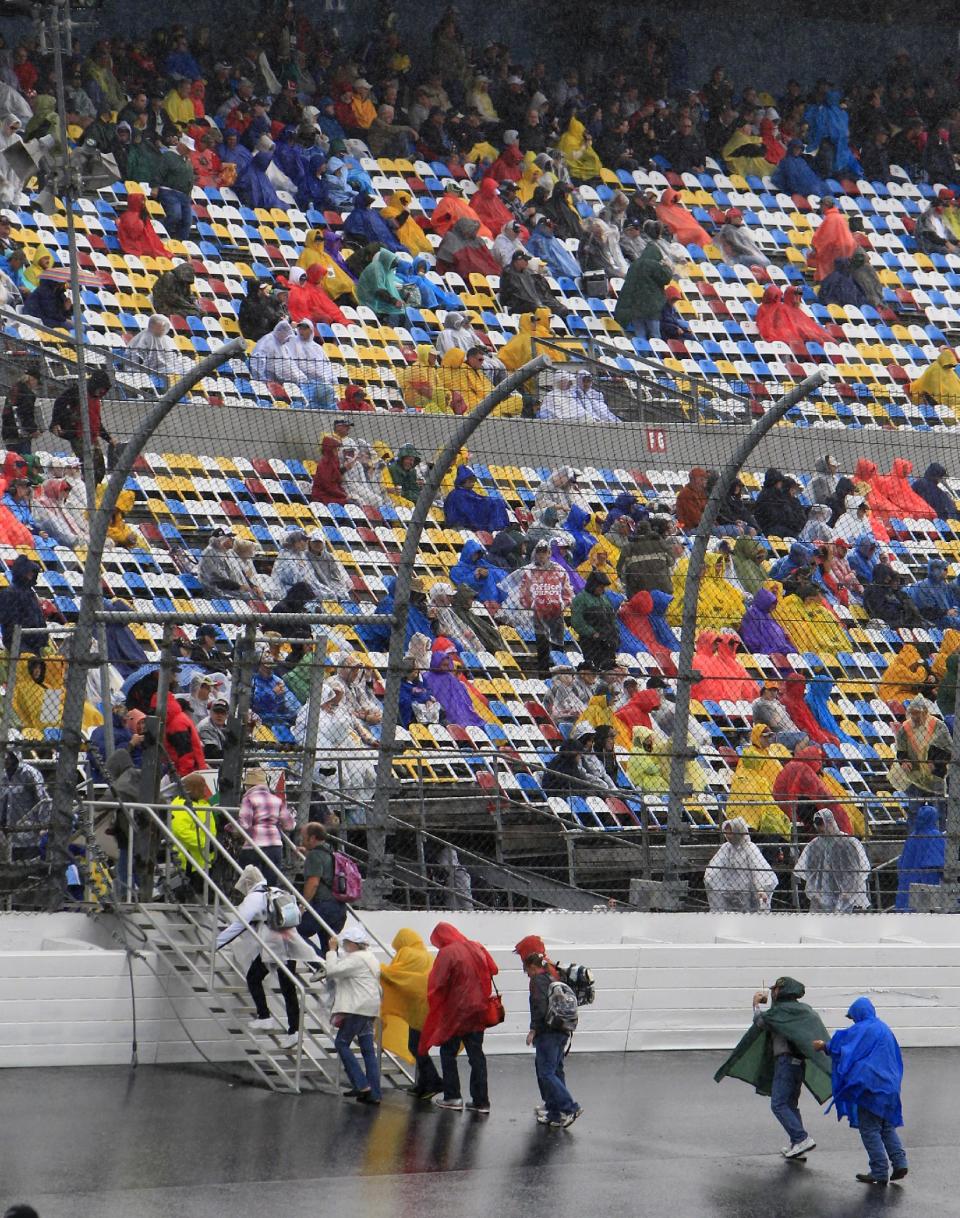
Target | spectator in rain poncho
(938,385)
(840,288)
(508,241)
(738,879)
(544,243)
(446,688)
(923,856)
(884,599)
(409,233)
(463,250)
(338,193)
(933,596)
(466,507)
(794,175)
(53,516)
(345,762)
(432,295)
(308,297)
(306,364)
(325,247)
(380,289)
(831,240)
(11,183)
(828,137)
(863,557)
(833,869)
(153,347)
(736,245)
(270,360)
(363,479)
(923,753)
(366,225)
(855,520)
(817,527)
(49,304)
(292,564)
(475,570)
(253,187)
(576,147)
(866,278)
(759,631)
(600,250)
(823,484)
(928,488)
(457,332)
(574,398)
(558,490)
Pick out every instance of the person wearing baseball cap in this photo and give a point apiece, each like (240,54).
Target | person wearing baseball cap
(356,979)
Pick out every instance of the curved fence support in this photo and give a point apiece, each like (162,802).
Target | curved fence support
(377,816)
(680,753)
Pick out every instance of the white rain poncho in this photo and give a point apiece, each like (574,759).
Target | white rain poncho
(738,877)
(155,352)
(573,401)
(834,869)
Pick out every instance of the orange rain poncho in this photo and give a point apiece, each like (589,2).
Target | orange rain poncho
(672,213)
(452,208)
(832,240)
(896,488)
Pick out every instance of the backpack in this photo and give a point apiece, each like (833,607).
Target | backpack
(283,912)
(580,980)
(347,881)
(562,1012)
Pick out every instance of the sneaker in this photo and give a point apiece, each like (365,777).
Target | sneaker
(367,1097)
(351,1094)
(455,1105)
(263,1025)
(426,1095)
(290,1041)
(866,1178)
(540,1110)
(564,1120)
(798,1148)
(482,1109)
(898,1173)
(542,1118)
(577,1112)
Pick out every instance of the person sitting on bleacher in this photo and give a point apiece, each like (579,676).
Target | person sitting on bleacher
(310,368)
(931,232)
(17,501)
(446,622)
(462,250)
(466,507)
(366,225)
(270,359)
(543,243)
(153,346)
(524,290)
(67,528)
(269,699)
(840,288)
(794,175)
(174,294)
(884,598)
(50,304)
(136,233)
(307,299)
(736,245)
(933,596)
(217,570)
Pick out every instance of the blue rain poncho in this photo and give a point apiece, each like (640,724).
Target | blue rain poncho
(583,542)
(472,556)
(794,175)
(432,295)
(830,121)
(820,689)
(377,636)
(933,596)
(923,856)
(467,508)
(560,262)
(862,559)
(867,1069)
(368,225)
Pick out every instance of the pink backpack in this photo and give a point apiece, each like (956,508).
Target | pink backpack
(347,881)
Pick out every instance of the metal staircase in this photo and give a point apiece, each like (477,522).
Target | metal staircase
(183,936)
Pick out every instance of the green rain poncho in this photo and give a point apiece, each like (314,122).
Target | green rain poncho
(405,480)
(752,1059)
(378,286)
(748,556)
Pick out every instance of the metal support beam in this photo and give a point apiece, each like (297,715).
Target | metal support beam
(680,749)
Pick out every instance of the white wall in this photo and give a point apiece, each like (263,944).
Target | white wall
(664,981)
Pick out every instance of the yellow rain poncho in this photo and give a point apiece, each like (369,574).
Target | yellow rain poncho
(529,178)
(939,383)
(180,109)
(720,605)
(599,713)
(811,626)
(519,350)
(472,385)
(38,705)
(906,675)
(751,791)
(647,768)
(191,839)
(43,260)
(422,383)
(118,531)
(578,152)
(404,981)
(603,557)
(410,235)
(948,645)
(742,163)
(480,152)
(337,283)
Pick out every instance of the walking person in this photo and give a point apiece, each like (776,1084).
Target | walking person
(262,815)
(318,866)
(460,1008)
(285,945)
(550,1037)
(867,1076)
(785,1060)
(404,1009)
(356,1003)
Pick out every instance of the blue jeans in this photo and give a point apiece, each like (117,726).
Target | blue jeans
(177,212)
(333,913)
(359,1028)
(123,863)
(785,1096)
(646,327)
(473,1045)
(881,1141)
(549,1047)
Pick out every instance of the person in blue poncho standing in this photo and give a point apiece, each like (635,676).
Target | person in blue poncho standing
(829,136)
(795,176)
(867,1073)
(923,857)
(466,507)
(368,225)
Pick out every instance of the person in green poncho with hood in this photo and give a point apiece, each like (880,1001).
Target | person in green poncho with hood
(403,473)
(777,1055)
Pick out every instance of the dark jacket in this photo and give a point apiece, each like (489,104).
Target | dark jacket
(539,989)
(884,599)
(776,511)
(642,296)
(19,413)
(259,314)
(20,606)
(646,563)
(173,291)
(928,487)
(523,291)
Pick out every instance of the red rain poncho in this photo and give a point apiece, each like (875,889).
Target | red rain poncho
(801,322)
(692,499)
(780,319)
(710,667)
(636,712)
(877,501)
(799,782)
(136,233)
(635,615)
(309,300)
(452,208)
(895,487)
(800,713)
(832,240)
(459,988)
(328,480)
(507,166)
(672,213)
(741,686)
(489,208)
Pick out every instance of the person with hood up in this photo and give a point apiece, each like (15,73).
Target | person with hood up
(831,240)
(520,349)
(593,620)
(896,490)
(823,484)
(795,176)
(817,530)
(366,225)
(250,934)
(758,630)
(173,293)
(575,145)
(828,138)
(933,596)
(680,222)
(409,233)
(421,383)
(457,332)
(800,713)
(941,502)
(136,233)
(646,765)
(923,754)
(833,869)
(778,510)
(451,207)
(544,589)
(737,247)
(750,797)
(561,208)
(720,603)
(459,1010)
(448,689)
(863,557)
(642,296)
(575,399)
(462,250)
(272,357)
(885,600)
(403,1010)
(748,556)
(800,790)
(307,299)
(643,620)
(490,208)
(506,168)
(380,289)
(153,347)
(327,485)
(20,606)
(543,243)
(467,384)
(49,304)
(692,498)
(403,473)
(938,385)
(854,521)
(413,274)
(866,278)
(810,621)
(466,507)
(738,879)
(356,978)
(840,288)
(54,517)
(866,1077)
(745,152)
(905,676)
(923,856)
(324,247)
(779,1056)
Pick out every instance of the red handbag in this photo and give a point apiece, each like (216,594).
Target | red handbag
(495,1009)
